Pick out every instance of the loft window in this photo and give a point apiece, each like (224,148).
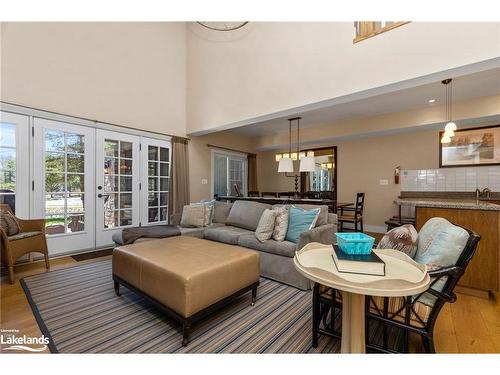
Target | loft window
(368,29)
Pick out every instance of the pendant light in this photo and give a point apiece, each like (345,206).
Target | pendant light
(450,127)
(285,161)
(307,162)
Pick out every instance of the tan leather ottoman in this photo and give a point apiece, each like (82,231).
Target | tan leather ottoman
(186,277)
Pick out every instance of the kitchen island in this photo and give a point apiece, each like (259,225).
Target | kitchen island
(481,216)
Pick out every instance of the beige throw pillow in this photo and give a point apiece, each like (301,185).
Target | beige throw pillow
(265,227)
(193,216)
(280,223)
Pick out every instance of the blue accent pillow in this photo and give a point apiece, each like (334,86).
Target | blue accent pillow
(299,221)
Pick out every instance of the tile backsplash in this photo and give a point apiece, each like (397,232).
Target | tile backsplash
(451,179)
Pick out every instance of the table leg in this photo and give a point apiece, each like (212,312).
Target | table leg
(353,323)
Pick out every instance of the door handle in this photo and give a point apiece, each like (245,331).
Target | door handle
(102,195)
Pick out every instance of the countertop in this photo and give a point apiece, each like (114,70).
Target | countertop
(467,204)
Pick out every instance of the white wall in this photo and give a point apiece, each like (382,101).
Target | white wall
(127,73)
(268,67)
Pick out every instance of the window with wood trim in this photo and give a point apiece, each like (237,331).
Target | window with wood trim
(367,29)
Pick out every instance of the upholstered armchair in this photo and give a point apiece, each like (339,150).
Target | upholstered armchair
(31,238)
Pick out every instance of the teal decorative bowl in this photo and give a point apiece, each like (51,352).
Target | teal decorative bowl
(355,243)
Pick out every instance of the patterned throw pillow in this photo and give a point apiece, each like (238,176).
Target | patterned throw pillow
(280,223)
(265,227)
(403,238)
(9,223)
(209,210)
(194,216)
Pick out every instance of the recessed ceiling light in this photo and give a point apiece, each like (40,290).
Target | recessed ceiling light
(432,100)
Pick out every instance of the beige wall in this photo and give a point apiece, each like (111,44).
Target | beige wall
(200,159)
(267,67)
(399,121)
(131,74)
(362,163)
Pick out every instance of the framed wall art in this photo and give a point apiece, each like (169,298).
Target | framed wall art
(471,148)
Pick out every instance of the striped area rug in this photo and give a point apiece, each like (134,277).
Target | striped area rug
(79,310)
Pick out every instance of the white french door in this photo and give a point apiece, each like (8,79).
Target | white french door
(63,183)
(117,184)
(14,163)
(86,182)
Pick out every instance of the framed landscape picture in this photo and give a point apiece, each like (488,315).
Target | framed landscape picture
(471,147)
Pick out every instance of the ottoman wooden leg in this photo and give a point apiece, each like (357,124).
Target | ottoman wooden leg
(117,288)
(254,295)
(186,328)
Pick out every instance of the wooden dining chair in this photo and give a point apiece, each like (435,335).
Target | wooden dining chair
(356,217)
(270,194)
(237,190)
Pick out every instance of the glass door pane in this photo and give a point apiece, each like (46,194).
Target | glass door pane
(155,159)
(14,162)
(220,175)
(236,175)
(228,170)
(64,183)
(117,183)
(118,170)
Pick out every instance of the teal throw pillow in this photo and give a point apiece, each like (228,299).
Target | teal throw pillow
(299,221)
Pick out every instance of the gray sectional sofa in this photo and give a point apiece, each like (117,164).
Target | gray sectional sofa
(235,223)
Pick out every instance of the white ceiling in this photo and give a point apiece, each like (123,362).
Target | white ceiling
(485,83)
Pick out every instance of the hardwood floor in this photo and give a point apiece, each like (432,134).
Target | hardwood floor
(471,325)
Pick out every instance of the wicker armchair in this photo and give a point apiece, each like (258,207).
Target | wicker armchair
(31,238)
(389,320)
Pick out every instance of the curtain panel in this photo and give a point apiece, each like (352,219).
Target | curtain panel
(179,179)
(252,172)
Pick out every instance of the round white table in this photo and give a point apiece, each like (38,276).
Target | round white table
(403,277)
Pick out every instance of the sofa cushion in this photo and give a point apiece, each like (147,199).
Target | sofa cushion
(226,234)
(323,213)
(403,238)
(299,221)
(221,212)
(284,248)
(246,215)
